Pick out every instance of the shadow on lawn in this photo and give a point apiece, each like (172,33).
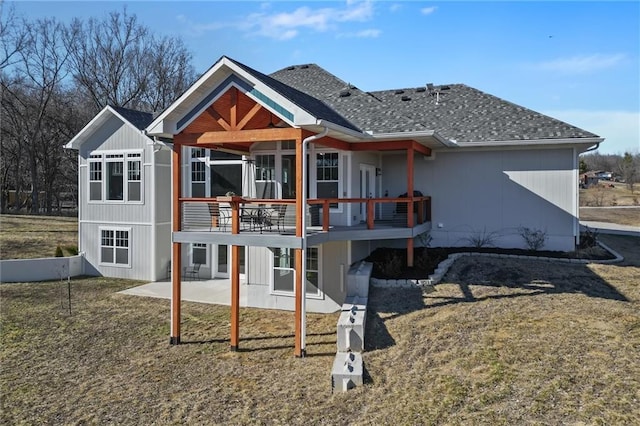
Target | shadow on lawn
(271,342)
(481,279)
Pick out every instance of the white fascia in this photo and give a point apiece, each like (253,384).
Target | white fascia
(95,123)
(165,125)
(416,135)
(532,142)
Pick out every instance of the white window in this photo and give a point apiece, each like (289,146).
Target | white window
(134,177)
(266,176)
(95,178)
(115,177)
(328,175)
(115,245)
(199,254)
(284,273)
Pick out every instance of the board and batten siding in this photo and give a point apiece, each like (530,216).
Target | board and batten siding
(334,266)
(476,192)
(149,221)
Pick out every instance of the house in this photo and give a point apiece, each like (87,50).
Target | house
(298,174)
(124,215)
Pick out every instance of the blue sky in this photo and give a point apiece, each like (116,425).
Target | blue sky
(576,61)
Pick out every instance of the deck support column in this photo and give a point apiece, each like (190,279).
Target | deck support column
(235,279)
(410,205)
(301,210)
(176,252)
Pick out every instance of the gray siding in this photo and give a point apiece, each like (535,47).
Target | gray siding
(496,191)
(334,268)
(141,262)
(149,221)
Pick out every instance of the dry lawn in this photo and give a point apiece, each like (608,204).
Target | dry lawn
(610,194)
(624,216)
(499,342)
(30,237)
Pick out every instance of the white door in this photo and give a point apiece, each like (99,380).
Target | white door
(222,260)
(367,187)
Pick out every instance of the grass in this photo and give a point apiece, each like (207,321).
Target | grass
(29,237)
(498,342)
(610,194)
(624,216)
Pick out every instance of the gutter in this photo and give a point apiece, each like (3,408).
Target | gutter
(532,142)
(303,320)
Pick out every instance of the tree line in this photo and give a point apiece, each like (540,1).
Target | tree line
(54,78)
(625,167)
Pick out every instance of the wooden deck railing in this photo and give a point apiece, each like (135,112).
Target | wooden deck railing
(278,215)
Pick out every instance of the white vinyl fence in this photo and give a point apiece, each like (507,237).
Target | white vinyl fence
(44,269)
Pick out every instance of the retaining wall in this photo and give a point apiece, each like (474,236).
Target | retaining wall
(43,269)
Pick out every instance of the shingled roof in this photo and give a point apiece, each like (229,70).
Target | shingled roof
(458,112)
(138,118)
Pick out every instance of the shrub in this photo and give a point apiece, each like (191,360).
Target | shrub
(482,238)
(72,250)
(59,252)
(391,266)
(589,238)
(534,238)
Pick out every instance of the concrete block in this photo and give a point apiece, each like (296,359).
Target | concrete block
(360,303)
(358,279)
(347,371)
(351,327)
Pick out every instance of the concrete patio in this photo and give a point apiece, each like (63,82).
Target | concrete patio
(215,291)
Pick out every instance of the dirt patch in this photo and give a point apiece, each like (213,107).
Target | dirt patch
(623,216)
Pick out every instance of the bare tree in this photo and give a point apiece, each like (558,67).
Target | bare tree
(13,36)
(117,61)
(40,71)
(629,168)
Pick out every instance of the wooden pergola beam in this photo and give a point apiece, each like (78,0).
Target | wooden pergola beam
(239,136)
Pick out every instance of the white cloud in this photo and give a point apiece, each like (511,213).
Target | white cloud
(582,64)
(428,10)
(288,25)
(621,129)
(395,7)
(370,33)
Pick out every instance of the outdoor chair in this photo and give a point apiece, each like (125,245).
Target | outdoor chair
(220,216)
(192,272)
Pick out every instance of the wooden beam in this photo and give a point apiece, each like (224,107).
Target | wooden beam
(299,278)
(221,121)
(235,278)
(410,154)
(234,108)
(240,136)
(176,266)
(252,113)
(425,150)
(334,143)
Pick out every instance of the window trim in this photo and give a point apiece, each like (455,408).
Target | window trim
(339,166)
(115,229)
(207,255)
(116,156)
(320,293)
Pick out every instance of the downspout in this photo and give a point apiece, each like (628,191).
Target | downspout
(303,325)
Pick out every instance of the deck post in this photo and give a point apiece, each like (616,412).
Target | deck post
(410,205)
(176,261)
(298,350)
(235,278)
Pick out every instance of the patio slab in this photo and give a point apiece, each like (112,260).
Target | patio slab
(214,291)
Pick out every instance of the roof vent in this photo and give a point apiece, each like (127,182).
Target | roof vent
(304,66)
(421,89)
(406,98)
(399,92)
(291,68)
(344,93)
